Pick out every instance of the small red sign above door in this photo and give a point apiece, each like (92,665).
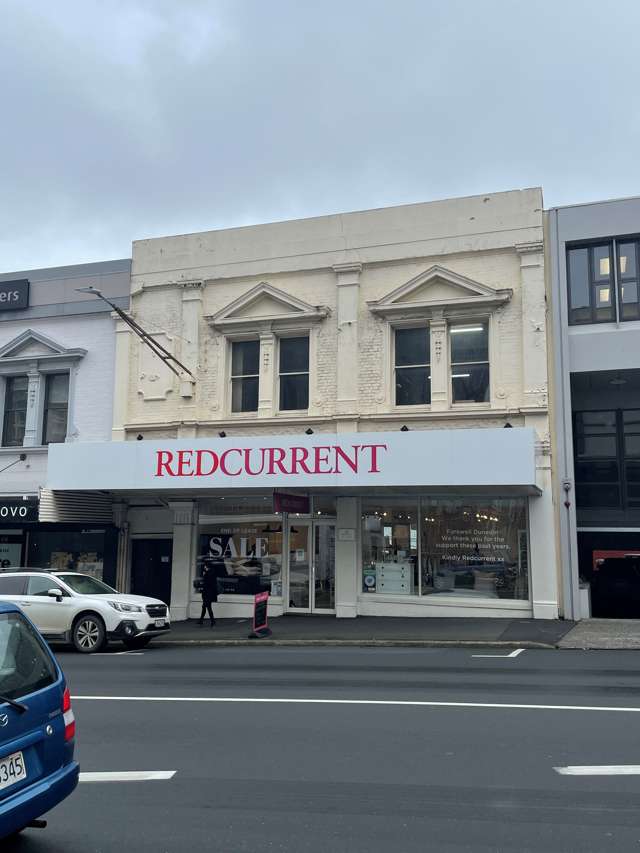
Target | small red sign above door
(285,502)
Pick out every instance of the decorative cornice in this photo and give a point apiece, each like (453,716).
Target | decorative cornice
(529,248)
(473,294)
(295,312)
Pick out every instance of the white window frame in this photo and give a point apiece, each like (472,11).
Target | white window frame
(230,377)
(470,321)
(293,333)
(394,327)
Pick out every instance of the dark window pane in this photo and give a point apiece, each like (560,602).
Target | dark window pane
(633,494)
(627,260)
(632,470)
(244,394)
(631,418)
(469,343)
(579,280)
(412,346)
(632,445)
(58,389)
(294,392)
(597,496)
(597,445)
(38,585)
(15,411)
(604,315)
(470,383)
(245,358)
(14,426)
(629,308)
(11,586)
(54,429)
(601,262)
(294,356)
(595,423)
(27,664)
(16,395)
(597,471)
(413,386)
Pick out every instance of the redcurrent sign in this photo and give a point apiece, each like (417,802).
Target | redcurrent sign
(273,461)
(450,458)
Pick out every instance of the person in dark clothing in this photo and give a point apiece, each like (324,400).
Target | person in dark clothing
(209,592)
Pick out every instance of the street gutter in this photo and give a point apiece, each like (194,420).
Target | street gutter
(478,644)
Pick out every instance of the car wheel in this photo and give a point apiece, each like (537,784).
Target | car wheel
(137,642)
(88,633)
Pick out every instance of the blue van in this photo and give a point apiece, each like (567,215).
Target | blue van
(37,727)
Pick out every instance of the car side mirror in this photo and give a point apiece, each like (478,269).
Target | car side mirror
(55,593)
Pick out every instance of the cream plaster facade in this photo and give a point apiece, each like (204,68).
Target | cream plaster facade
(348,281)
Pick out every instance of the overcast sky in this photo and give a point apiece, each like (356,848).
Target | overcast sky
(125,119)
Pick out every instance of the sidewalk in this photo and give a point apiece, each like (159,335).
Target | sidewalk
(603,634)
(307,630)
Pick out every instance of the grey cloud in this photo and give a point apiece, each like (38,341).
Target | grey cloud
(131,119)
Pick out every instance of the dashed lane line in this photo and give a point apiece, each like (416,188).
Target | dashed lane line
(129,776)
(513,654)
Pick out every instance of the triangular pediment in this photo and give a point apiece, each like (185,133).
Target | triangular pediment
(33,345)
(265,303)
(438,288)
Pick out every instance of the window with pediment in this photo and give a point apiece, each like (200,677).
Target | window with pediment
(268,363)
(439,339)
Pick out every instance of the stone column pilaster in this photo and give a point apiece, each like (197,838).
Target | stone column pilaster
(348,286)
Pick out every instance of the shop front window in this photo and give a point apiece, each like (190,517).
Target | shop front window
(72,551)
(390,547)
(247,557)
(474,548)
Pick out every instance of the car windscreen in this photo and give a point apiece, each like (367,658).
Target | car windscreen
(86,585)
(25,663)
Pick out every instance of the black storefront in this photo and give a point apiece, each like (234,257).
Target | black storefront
(71,546)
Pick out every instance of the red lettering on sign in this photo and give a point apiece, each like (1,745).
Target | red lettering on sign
(322,458)
(299,456)
(184,460)
(200,459)
(223,462)
(247,463)
(273,461)
(342,455)
(165,458)
(374,448)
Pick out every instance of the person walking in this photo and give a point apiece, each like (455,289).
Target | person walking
(209,592)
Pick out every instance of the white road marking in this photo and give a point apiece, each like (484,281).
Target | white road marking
(113,654)
(128,776)
(383,702)
(513,654)
(600,770)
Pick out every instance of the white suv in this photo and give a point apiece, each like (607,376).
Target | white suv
(77,608)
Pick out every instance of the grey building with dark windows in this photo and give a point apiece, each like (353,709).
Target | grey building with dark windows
(593,265)
(57,348)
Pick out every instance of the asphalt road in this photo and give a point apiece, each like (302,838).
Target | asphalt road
(472,774)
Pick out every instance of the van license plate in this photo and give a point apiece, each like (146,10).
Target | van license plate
(160,623)
(12,770)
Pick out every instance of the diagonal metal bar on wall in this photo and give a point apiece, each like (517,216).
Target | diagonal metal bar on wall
(163,354)
(20,458)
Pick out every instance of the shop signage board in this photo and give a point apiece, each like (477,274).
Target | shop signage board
(457,457)
(260,620)
(17,510)
(14,295)
(284,502)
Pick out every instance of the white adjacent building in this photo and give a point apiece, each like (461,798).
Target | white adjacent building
(362,425)
(57,349)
